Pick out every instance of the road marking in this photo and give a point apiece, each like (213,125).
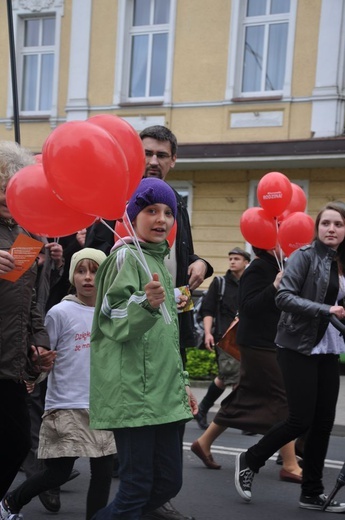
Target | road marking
(224,450)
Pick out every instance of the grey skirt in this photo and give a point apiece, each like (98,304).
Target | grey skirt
(66,433)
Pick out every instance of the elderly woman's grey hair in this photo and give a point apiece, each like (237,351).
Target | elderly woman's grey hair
(13,157)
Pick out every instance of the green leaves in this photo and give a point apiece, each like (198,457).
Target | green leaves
(201,364)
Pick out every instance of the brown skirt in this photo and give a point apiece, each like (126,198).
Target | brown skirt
(259,400)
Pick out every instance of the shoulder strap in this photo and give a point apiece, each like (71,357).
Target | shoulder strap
(221,287)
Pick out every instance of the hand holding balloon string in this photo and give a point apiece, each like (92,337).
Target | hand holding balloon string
(140,257)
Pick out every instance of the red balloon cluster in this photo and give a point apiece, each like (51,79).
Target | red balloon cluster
(87,169)
(281,218)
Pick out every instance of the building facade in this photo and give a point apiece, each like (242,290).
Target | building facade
(247,86)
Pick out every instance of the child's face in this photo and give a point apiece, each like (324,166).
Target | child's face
(153,223)
(84,280)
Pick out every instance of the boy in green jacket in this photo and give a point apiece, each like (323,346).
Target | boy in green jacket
(138,386)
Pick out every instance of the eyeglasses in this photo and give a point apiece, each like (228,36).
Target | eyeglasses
(161,156)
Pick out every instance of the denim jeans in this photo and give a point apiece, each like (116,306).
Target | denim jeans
(312,387)
(150,470)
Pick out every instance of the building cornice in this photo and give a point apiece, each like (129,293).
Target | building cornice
(319,153)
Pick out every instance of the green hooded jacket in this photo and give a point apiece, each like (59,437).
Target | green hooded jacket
(137,378)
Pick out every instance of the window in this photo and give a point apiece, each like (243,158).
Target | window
(261,47)
(37,57)
(185,189)
(144,51)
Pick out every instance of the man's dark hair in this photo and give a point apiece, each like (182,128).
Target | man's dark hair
(160,133)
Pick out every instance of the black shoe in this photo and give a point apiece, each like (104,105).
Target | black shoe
(51,500)
(317,503)
(74,474)
(166,512)
(243,477)
(201,419)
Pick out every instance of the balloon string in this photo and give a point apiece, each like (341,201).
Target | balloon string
(130,230)
(280,259)
(140,259)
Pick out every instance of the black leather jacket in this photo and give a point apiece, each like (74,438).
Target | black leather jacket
(301,296)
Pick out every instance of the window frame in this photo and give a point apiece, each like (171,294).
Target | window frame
(40,51)
(123,57)
(236,53)
(185,189)
(21,12)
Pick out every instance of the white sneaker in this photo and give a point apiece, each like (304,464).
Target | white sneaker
(5,514)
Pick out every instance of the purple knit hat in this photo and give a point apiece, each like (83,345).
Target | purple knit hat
(151,191)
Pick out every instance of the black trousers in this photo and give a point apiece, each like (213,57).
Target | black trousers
(56,473)
(312,387)
(15,436)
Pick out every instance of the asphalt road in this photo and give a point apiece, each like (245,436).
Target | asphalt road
(210,494)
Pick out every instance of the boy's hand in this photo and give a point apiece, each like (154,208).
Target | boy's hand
(182,301)
(193,403)
(155,292)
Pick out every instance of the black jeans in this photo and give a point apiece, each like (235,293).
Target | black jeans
(15,436)
(56,473)
(312,387)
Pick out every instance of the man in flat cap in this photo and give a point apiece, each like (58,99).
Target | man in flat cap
(218,309)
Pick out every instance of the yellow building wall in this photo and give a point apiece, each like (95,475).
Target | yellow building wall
(306,46)
(201,50)
(103,53)
(200,68)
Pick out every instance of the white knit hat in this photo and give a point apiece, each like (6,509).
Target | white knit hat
(88,253)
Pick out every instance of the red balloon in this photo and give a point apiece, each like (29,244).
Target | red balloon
(172,235)
(295,231)
(130,143)
(298,202)
(274,193)
(121,231)
(258,228)
(35,207)
(87,169)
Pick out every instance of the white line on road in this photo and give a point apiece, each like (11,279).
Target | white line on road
(224,450)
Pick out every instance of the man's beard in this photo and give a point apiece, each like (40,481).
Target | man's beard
(152,172)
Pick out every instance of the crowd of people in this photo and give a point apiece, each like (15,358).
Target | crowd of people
(93,354)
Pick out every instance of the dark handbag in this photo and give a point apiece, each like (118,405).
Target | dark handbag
(228,341)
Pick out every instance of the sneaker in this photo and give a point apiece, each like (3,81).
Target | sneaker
(5,514)
(317,502)
(243,477)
